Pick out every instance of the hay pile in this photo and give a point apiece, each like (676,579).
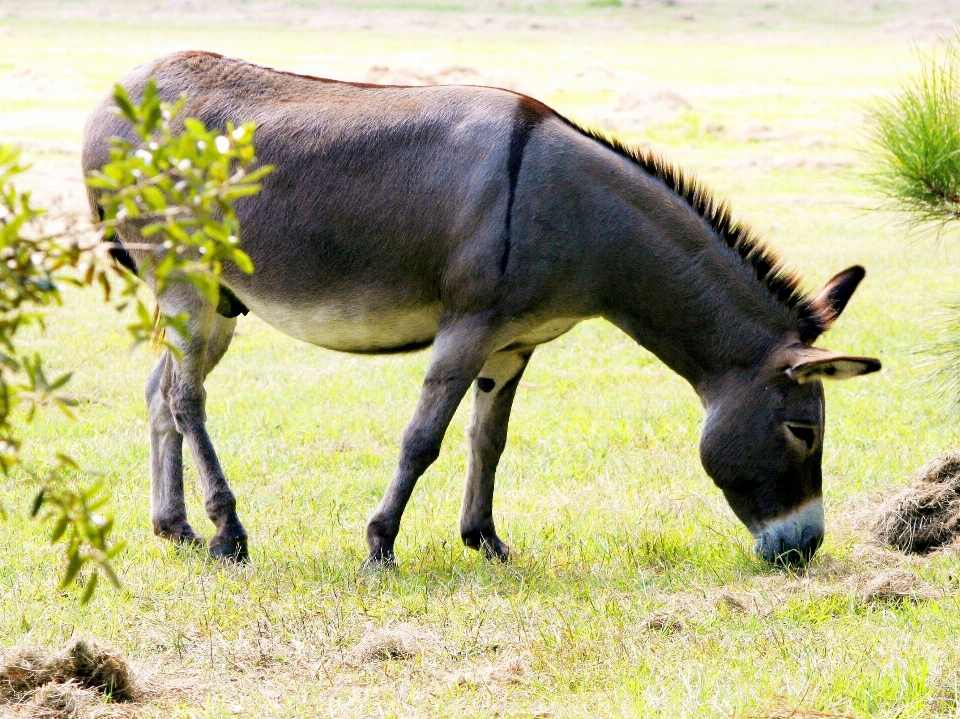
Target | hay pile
(402,641)
(926,515)
(66,684)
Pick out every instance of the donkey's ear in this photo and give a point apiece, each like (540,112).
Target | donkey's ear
(812,363)
(836,293)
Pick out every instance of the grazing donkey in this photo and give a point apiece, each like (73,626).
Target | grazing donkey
(481,222)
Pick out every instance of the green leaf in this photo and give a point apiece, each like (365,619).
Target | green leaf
(90,588)
(61,381)
(242,260)
(59,528)
(37,502)
(122,101)
(74,565)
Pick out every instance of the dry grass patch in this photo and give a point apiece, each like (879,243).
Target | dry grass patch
(803,714)
(504,671)
(893,585)
(680,611)
(768,594)
(401,641)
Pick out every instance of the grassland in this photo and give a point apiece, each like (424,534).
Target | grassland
(633,592)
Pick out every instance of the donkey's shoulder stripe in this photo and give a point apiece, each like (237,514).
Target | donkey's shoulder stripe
(528,115)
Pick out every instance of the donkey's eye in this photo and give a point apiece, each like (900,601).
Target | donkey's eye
(806,434)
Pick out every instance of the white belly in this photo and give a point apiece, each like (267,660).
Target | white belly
(354,328)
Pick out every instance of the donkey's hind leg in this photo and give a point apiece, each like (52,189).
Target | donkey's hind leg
(168,510)
(493,395)
(179,384)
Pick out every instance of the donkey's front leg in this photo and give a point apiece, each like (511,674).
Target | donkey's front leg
(458,354)
(493,396)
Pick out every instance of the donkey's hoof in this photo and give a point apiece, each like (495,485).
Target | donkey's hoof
(496,550)
(379,561)
(181,534)
(490,544)
(231,550)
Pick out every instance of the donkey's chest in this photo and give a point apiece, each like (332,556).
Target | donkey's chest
(355,327)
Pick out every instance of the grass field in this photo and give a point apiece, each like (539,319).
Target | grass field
(633,591)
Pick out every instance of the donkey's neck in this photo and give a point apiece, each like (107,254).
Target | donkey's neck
(682,293)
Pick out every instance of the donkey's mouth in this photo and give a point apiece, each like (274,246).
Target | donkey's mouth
(793,538)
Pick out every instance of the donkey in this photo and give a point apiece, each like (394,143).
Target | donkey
(482,223)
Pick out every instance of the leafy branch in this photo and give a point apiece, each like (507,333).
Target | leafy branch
(173,192)
(913,138)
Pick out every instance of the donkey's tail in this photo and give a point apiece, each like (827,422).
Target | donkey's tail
(117,250)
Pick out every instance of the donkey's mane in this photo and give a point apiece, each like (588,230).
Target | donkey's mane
(768,269)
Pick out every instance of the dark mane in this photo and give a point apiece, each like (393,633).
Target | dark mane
(783,284)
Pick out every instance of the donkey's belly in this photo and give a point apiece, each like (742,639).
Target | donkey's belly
(353,329)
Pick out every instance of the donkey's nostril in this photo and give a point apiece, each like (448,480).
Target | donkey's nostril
(794,537)
(789,551)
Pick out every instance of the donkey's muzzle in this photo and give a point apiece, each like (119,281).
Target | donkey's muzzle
(794,538)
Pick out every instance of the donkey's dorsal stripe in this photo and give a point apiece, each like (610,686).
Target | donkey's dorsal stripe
(529,114)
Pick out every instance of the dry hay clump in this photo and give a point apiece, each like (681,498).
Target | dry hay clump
(66,683)
(680,611)
(505,671)
(402,641)
(926,515)
(892,586)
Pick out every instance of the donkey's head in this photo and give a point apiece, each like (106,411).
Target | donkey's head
(762,441)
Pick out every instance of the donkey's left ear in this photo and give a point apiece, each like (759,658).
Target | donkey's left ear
(836,293)
(812,363)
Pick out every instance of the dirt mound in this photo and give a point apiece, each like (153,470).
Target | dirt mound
(64,684)
(926,515)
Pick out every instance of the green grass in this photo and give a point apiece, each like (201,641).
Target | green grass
(600,491)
